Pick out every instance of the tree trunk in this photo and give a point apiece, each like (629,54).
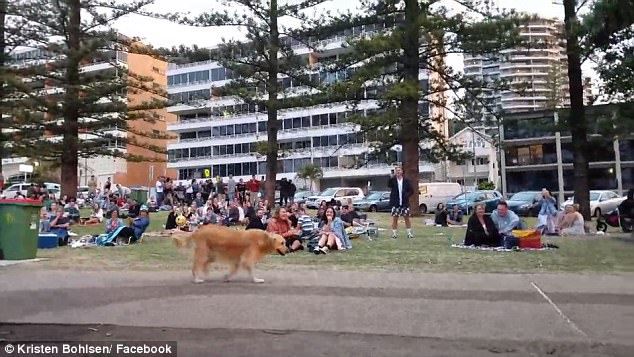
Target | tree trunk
(409,105)
(577,120)
(3,12)
(71,105)
(272,123)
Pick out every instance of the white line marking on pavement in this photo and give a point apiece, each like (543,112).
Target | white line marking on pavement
(561,313)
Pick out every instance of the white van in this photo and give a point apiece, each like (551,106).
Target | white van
(340,194)
(433,193)
(13,190)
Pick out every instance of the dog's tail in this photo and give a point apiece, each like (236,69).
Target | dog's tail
(182,240)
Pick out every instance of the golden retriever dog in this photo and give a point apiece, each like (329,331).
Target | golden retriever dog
(237,248)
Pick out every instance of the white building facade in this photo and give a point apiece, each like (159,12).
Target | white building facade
(482,167)
(218,136)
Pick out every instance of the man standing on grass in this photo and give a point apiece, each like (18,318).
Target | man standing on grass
(401,190)
(253,185)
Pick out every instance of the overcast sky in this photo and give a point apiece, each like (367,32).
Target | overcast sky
(161,33)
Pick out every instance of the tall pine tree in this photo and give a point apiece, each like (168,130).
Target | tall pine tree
(261,61)
(64,107)
(412,37)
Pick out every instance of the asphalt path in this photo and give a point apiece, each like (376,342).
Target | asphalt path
(326,313)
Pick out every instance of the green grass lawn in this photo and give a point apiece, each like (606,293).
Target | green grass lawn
(430,251)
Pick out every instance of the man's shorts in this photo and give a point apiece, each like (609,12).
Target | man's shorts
(400,211)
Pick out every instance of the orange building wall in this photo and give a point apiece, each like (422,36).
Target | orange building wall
(145,173)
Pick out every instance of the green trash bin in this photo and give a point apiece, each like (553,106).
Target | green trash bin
(19,221)
(139,194)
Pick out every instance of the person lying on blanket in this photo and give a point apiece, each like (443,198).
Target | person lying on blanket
(132,233)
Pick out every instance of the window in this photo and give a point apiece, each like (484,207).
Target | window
(323,119)
(215,131)
(297,123)
(229,129)
(223,131)
(218,74)
(332,118)
(262,126)
(238,148)
(229,149)
(315,120)
(204,134)
(305,122)
(238,129)
(288,124)
(223,149)
(352,192)
(332,140)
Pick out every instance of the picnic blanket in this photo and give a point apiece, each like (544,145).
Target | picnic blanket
(498,249)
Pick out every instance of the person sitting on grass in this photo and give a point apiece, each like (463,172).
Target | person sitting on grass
(350,218)
(232,216)
(481,230)
(256,221)
(332,233)
(572,222)
(45,220)
(280,224)
(170,223)
(136,228)
(193,217)
(59,225)
(96,216)
(321,210)
(505,220)
(441,215)
(133,208)
(454,217)
(73,211)
(114,222)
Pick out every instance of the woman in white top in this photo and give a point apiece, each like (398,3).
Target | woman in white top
(96,216)
(572,222)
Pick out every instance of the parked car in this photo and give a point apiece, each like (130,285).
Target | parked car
(52,186)
(83,192)
(301,196)
(377,201)
(54,193)
(13,190)
(525,203)
(601,201)
(433,193)
(466,201)
(339,194)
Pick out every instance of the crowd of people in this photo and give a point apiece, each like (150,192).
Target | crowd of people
(329,228)
(496,229)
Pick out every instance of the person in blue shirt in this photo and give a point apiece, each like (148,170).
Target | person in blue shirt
(547,213)
(505,220)
(332,234)
(134,231)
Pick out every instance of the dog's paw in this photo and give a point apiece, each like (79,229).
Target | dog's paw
(198,281)
(258,280)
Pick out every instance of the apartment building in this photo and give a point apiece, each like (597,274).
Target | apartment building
(120,170)
(537,76)
(217,136)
